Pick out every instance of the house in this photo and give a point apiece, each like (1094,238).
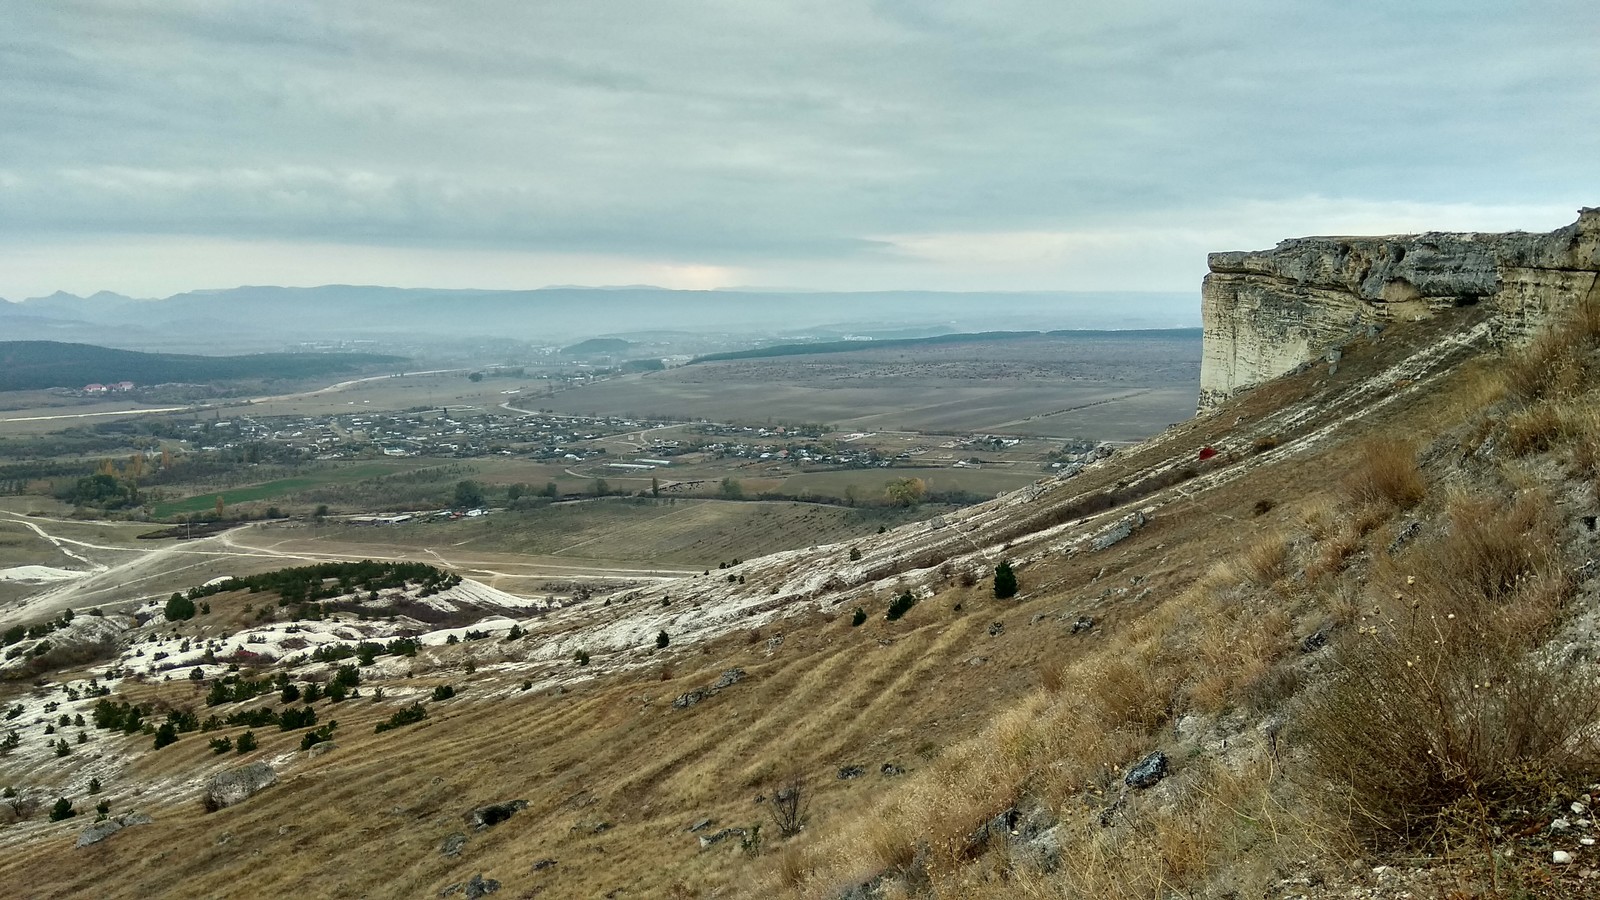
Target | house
(95,388)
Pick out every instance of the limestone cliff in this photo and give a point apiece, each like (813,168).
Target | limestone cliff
(1266,312)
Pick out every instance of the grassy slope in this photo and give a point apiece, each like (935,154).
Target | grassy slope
(939,693)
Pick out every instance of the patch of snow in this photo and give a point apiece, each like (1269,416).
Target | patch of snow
(39,574)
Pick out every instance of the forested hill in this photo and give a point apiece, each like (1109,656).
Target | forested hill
(32,365)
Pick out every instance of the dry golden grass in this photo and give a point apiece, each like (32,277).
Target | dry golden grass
(1534,429)
(1386,472)
(1436,700)
(1267,560)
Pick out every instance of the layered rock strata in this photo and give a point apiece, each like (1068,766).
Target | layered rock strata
(1268,312)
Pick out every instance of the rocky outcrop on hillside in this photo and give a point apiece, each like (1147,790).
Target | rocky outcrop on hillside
(1267,312)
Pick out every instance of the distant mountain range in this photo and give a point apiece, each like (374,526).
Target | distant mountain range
(261,317)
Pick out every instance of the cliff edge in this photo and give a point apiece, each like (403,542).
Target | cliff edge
(1268,312)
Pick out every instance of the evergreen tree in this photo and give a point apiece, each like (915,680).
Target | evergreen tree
(179,608)
(1005,581)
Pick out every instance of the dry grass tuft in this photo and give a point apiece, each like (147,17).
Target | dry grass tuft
(1266,561)
(1535,429)
(1560,362)
(1387,473)
(1436,699)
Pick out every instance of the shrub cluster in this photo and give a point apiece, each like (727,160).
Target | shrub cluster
(901,605)
(413,713)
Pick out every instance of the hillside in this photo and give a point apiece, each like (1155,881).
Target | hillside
(1331,639)
(34,365)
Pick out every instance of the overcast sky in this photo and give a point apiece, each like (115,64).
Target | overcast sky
(154,146)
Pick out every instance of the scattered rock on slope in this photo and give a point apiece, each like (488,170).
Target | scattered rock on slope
(236,785)
(1119,532)
(99,831)
(494,813)
(473,888)
(1147,771)
(727,679)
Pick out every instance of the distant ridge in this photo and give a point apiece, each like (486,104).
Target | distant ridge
(261,317)
(806,349)
(36,365)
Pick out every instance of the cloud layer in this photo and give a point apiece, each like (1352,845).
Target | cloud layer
(925,143)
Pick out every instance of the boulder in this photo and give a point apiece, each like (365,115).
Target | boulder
(233,786)
(1146,772)
(453,844)
(494,813)
(99,831)
(1122,530)
(717,837)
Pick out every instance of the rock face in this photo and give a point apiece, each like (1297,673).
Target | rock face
(1267,312)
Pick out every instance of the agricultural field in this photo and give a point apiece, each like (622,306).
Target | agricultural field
(282,488)
(1105,387)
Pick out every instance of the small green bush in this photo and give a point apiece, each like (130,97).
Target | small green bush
(246,742)
(166,734)
(663,639)
(858,617)
(413,713)
(318,735)
(62,810)
(443,692)
(901,605)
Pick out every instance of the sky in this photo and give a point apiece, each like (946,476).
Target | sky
(149,147)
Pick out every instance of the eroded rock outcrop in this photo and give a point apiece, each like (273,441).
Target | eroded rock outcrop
(1267,312)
